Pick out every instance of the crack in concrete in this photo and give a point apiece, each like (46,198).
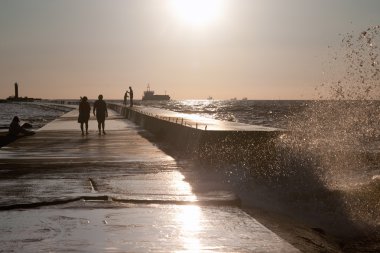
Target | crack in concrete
(51,203)
(233,202)
(94,187)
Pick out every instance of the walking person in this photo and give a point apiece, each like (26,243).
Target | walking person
(84,114)
(130,96)
(100,107)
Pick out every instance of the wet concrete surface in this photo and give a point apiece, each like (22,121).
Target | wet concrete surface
(118,192)
(137,228)
(200,122)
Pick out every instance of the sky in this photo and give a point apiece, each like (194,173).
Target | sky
(189,49)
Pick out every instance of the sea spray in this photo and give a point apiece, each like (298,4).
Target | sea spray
(336,136)
(324,169)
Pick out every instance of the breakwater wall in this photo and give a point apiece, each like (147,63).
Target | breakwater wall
(235,143)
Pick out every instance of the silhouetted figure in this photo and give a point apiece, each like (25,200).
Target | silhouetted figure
(130,96)
(125,97)
(100,107)
(15,129)
(84,114)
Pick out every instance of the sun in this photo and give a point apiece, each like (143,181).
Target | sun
(197,12)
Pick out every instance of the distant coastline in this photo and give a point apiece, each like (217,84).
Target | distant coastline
(17,98)
(20,99)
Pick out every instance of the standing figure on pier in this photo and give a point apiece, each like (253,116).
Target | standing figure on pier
(130,96)
(100,107)
(125,97)
(84,114)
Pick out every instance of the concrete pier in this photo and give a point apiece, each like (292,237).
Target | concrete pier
(206,139)
(118,192)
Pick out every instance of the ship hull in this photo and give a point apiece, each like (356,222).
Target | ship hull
(156,97)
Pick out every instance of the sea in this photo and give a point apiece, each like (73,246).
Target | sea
(35,113)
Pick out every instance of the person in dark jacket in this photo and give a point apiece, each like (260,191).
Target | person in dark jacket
(100,107)
(84,114)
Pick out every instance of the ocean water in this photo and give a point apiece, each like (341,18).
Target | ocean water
(272,113)
(35,113)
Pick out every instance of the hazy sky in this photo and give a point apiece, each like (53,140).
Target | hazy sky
(260,49)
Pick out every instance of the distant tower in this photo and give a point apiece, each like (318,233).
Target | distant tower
(16,90)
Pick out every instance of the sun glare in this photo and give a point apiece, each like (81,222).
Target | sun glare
(197,12)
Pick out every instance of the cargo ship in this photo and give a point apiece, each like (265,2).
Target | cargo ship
(149,95)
